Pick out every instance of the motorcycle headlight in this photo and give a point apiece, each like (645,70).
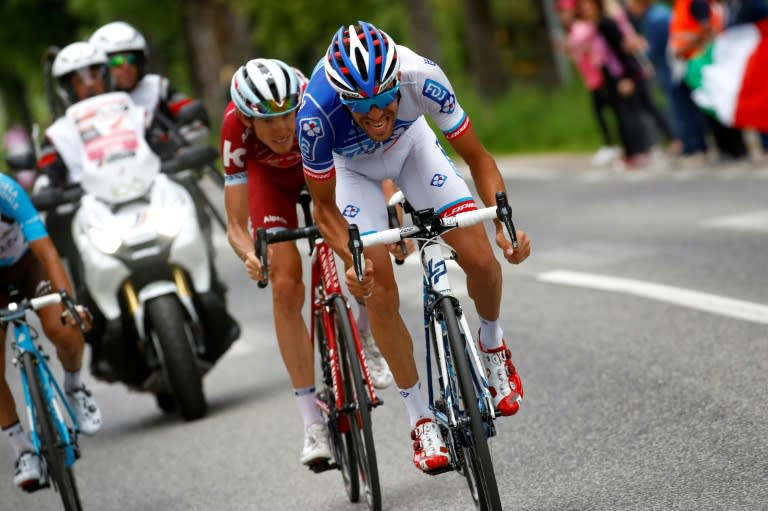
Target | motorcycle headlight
(107,242)
(170,222)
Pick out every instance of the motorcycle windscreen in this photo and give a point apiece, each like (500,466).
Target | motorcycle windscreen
(118,165)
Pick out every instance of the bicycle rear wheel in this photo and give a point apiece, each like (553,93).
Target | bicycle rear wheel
(478,466)
(342,445)
(52,448)
(358,402)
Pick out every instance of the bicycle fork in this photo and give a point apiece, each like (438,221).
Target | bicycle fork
(436,290)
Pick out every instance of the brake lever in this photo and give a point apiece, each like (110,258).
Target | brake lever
(260,245)
(394,223)
(355,246)
(504,214)
(71,309)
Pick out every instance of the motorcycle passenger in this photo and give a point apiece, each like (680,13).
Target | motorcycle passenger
(263,179)
(29,262)
(362,120)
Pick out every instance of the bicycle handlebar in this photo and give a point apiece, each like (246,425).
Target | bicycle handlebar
(16,310)
(432,227)
(263,238)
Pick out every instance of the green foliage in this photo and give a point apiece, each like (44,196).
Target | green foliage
(529,119)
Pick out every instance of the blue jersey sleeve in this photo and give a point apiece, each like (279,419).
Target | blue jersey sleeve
(316,139)
(16,204)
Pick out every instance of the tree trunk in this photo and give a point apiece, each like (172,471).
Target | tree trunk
(423,34)
(484,54)
(219,43)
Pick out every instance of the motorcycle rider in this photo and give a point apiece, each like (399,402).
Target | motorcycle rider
(80,71)
(29,262)
(264,178)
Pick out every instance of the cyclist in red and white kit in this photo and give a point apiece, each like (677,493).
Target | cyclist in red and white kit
(362,120)
(263,179)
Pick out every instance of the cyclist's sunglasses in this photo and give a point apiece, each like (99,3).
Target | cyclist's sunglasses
(273,108)
(122,58)
(380,101)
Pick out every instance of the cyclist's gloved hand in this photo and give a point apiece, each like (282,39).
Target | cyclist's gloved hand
(253,265)
(514,255)
(397,252)
(360,290)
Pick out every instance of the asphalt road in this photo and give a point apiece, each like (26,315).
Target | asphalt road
(639,325)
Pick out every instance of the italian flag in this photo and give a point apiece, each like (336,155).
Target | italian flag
(730,79)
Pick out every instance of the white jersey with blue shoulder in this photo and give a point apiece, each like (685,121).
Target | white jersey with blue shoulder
(325,126)
(19,221)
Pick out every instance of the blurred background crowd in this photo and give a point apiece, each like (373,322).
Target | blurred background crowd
(648,67)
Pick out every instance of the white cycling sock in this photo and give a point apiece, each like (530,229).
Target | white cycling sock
(18,439)
(491,335)
(416,404)
(305,398)
(71,381)
(362,318)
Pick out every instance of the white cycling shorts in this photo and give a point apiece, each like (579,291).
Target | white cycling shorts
(416,163)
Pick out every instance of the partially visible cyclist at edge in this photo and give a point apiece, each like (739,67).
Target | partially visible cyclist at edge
(29,262)
(127,53)
(263,179)
(362,121)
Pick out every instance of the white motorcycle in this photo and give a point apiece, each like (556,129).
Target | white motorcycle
(144,261)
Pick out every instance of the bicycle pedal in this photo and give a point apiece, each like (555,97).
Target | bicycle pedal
(322,466)
(438,471)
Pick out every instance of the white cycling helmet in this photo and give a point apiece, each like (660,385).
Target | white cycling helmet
(76,57)
(119,36)
(266,88)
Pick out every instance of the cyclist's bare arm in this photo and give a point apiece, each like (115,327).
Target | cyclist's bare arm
(45,252)
(488,181)
(335,231)
(236,206)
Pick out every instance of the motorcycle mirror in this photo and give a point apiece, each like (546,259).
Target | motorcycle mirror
(21,161)
(192,111)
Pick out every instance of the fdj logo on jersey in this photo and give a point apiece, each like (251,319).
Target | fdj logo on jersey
(311,132)
(438,180)
(436,271)
(438,93)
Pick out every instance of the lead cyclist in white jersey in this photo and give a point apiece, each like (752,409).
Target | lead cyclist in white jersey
(362,121)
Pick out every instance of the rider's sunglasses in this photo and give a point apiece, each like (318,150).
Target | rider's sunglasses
(122,58)
(380,101)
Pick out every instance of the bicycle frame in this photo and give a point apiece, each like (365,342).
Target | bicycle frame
(325,286)
(24,343)
(436,288)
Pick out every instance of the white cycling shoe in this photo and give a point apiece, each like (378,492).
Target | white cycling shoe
(28,472)
(316,446)
(381,376)
(86,410)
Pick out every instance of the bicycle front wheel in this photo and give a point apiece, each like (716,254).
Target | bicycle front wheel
(478,466)
(358,406)
(52,448)
(341,438)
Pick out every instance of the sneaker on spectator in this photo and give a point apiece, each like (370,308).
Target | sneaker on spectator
(605,155)
(28,473)
(503,381)
(86,410)
(316,448)
(429,451)
(381,376)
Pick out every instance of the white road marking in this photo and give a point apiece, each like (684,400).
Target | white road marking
(752,221)
(731,307)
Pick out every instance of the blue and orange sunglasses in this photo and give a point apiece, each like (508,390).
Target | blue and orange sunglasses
(380,101)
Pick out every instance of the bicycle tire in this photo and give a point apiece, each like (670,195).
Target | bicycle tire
(477,456)
(51,449)
(362,436)
(341,441)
